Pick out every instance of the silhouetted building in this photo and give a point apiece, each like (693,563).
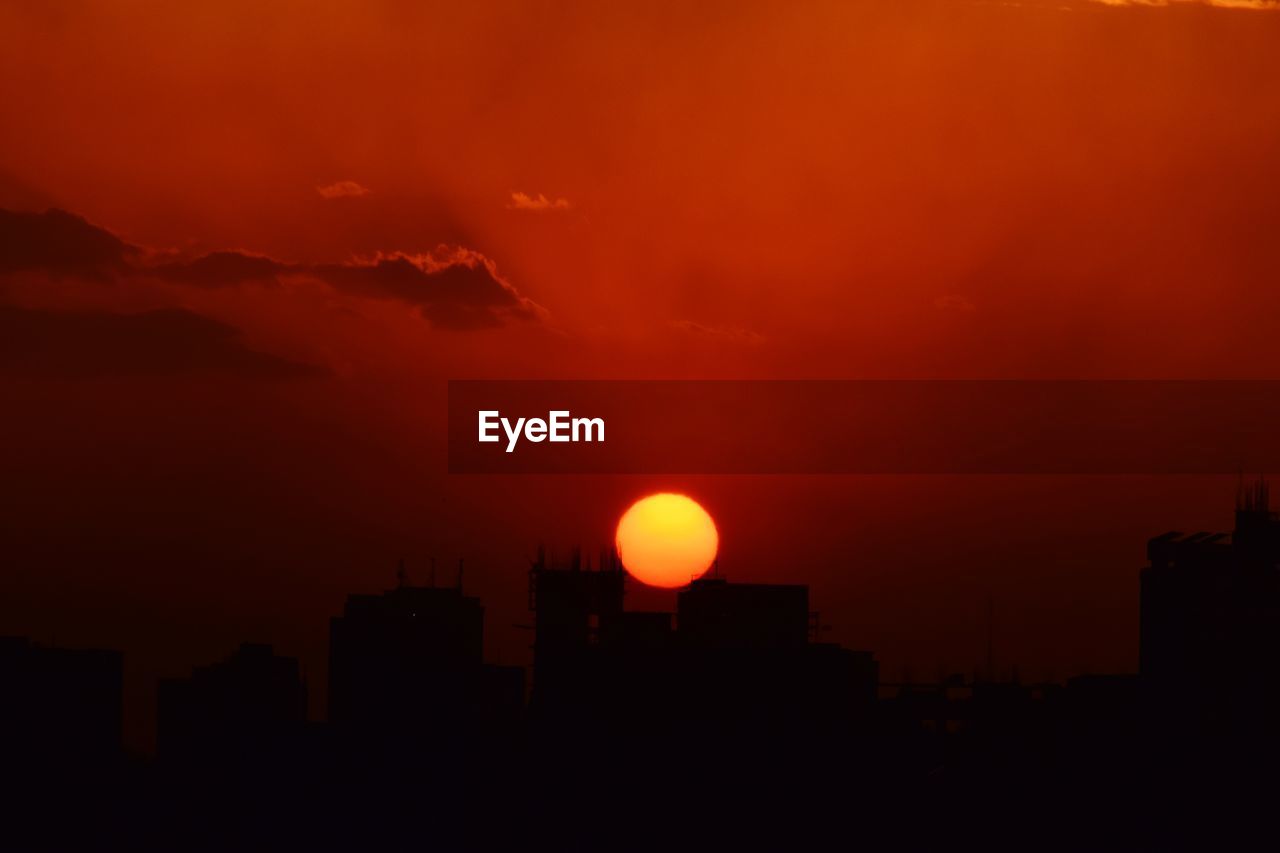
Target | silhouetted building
(932,708)
(412,659)
(1102,708)
(1210,615)
(751,660)
(59,704)
(735,657)
(252,698)
(573,608)
(579,625)
(713,613)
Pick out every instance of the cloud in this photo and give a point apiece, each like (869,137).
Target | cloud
(221,268)
(538,204)
(342,189)
(453,287)
(728,334)
(93,344)
(60,243)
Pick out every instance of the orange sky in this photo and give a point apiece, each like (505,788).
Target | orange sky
(767,170)
(871,188)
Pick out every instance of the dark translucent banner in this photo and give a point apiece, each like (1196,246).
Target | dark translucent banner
(864,427)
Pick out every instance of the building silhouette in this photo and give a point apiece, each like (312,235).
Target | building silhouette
(60,706)
(1210,618)
(753,661)
(727,713)
(64,778)
(244,703)
(579,629)
(734,656)
(412,659)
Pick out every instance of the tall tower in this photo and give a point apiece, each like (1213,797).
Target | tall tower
(1209,637)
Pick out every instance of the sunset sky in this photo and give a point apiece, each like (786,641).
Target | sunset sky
(278,228)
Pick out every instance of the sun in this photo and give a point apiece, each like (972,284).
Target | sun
(667,540)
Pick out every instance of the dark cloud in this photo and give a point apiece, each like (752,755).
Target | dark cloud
(222,269)
(727,334)
(462,291)
(60,243)
(90,344)
(454,288)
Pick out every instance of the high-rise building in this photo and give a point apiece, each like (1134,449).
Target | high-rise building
(1210,614)
(234,706)
(741,654)
(411,659)
(713,613)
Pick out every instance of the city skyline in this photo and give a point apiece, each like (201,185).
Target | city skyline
(931,318)
(737,678)
(454,622)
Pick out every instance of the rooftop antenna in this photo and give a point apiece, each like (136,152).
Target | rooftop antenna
(401,575)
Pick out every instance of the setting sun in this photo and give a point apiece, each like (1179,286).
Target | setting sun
(667,540)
